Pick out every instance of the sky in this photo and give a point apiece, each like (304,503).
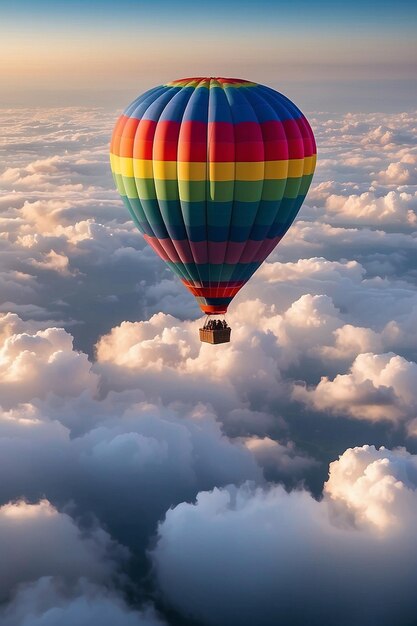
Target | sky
(331,55)
(149,479)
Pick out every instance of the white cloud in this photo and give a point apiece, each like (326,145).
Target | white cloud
(367,208)
(403,172)
(36,540)
(54,262)
(378,387)
(270,554)
(34,363)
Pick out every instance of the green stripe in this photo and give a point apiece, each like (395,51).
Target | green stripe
(305,184)
(130,186)
(216,191)
(193,190)
(248,190)
(166,189)
(219,190)
(292,187)
(273,189)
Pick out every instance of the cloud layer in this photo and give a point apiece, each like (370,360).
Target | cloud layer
(133,452)
(254,556)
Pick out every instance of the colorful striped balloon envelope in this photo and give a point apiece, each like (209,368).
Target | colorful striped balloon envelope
(213,172)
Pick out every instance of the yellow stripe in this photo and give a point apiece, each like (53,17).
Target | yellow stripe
(295,168)
(276,169)
(143,168)
(164,170)
(250,171)
(310,164)
(114,163)
(184,170)
(221,171)
(192,171)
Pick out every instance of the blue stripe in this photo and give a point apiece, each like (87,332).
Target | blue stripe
(197,107)
(283,107)
(151,108)
(219,109)
(242,110)
(174,110)
(265,112)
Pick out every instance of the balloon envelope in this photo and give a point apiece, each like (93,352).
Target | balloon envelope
(213,172)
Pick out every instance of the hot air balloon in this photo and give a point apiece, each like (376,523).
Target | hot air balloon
(213,172)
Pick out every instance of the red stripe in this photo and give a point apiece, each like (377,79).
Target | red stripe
(214,292)
(308,136)
(144,139)
(117,133)
(128,137)
(237,81)
(132,137)
(187,141)
(192,142)
(175,250)
(215,252)
(165,145)
(232,81)
(221,142)
(199,251)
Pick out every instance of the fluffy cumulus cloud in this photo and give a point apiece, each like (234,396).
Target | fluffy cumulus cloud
(150,479)
(255,556)
(34,363)
(378,386)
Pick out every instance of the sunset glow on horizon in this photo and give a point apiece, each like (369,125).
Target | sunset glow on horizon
(102,47)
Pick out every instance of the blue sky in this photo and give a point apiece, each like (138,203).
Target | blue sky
(367,15)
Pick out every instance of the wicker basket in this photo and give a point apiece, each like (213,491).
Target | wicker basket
(221,335)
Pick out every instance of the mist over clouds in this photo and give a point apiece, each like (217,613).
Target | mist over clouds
(153,480)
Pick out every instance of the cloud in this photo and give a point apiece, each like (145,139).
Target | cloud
(48,603)
(54,262)
(271,555)
(162,355)
(37,540)
(38,362)
(403,172)
(278,460)
(366,208)
(126,469)
(378,387)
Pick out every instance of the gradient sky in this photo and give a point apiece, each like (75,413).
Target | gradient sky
(78,52)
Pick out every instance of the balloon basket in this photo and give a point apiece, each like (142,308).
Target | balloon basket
(215,336)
